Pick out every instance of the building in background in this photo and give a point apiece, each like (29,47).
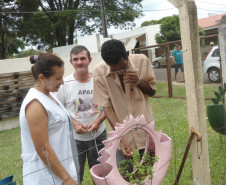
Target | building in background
(140,37)
(210,26)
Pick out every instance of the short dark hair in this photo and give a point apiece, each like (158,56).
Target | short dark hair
(112,51)
(44,63)
(77,49)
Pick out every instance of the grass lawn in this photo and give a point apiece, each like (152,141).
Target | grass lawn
(179,89)
(170,117)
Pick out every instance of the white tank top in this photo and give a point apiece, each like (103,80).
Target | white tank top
(35,171)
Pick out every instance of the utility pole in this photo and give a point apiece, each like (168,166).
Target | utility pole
(194,88)
(222,39)
(104,26)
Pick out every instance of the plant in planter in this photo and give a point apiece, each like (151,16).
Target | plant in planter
(135,171)
(107,173)
(216,112)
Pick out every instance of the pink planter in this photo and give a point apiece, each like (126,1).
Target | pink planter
(107,172)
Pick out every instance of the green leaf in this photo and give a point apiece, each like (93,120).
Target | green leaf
(221,90)
(215,101)
(141,170)
(218,95)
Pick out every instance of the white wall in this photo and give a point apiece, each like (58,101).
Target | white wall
(63,50)
(102,40)
(130,33)
(23,64)
(92,42)
(151,31)
(15,65)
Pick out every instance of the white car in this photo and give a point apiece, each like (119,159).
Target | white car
(161,61)
(211,64)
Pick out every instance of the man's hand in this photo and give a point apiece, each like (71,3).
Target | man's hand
(79,127)
(173,60)
(130,77)
(125,149)
(93,126)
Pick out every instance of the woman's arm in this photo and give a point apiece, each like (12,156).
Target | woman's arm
(38,123)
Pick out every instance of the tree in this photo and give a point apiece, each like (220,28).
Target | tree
(9,41)
(56,22)
(151,22)
(27,53)
(169,29)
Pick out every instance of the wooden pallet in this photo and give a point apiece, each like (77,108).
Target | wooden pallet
(13,89)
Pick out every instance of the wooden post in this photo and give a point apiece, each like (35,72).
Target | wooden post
(168,67)
(194,88)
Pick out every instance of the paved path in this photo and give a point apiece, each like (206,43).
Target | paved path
(161,75)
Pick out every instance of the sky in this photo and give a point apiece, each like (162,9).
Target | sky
(157,9)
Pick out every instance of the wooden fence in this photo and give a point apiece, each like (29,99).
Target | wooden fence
(13,88)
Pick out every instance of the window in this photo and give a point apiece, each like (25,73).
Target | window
(215,53)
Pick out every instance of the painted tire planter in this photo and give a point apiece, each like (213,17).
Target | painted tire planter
(107,172)
(217,118)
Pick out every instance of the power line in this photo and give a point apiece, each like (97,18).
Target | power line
(71,11)
(212,10)
(106,11)
(211,3)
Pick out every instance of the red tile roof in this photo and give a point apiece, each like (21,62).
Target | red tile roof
(210,21)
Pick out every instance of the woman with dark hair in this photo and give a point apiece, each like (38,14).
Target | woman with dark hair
(48,150)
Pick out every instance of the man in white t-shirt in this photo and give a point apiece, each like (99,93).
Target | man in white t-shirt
(88,119)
